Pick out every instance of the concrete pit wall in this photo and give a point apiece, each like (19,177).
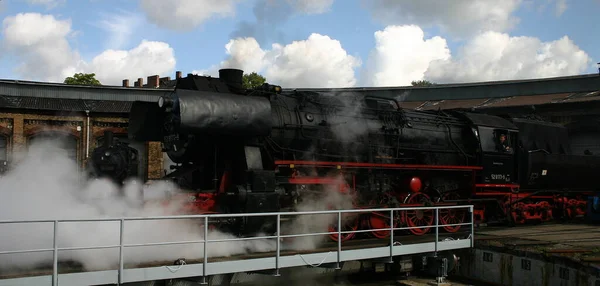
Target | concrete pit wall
(520,268)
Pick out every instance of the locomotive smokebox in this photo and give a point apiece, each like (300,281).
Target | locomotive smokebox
(233,77)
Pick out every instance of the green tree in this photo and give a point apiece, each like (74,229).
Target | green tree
(253,80)
(83,79)
(422,83)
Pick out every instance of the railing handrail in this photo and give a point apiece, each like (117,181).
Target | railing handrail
(231,215)
(55,249)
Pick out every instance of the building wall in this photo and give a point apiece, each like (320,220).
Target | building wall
(20,129)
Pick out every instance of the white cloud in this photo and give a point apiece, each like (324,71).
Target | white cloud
(48,3)
(311,6)
(561,7)
(497,56)
(458,17)
(40,42)
(186,14)
(120,27)
(148,58)
(401,55)
(318,61)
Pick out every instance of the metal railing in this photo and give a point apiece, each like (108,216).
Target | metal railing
(278,236)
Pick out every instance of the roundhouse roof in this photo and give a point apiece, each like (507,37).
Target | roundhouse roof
(17,94)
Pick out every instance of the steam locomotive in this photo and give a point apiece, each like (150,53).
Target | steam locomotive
(114,160)
(262,150)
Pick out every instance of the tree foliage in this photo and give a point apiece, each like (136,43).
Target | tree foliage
(253,80)
(422,83)
(82,79)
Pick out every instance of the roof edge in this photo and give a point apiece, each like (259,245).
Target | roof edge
(73,86)
(453,85)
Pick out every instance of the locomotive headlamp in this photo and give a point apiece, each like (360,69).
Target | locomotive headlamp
(164,102)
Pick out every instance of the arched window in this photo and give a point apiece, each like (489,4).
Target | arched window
(139,146)
(3,148)
(67,142)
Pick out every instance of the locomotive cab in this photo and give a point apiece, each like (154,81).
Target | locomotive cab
(498,155)
(497,139)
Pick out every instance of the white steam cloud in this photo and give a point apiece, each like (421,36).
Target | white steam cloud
(46,184)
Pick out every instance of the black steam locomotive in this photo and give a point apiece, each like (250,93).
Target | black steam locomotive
(263,149)
(114,160)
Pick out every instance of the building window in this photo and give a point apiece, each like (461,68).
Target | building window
(67,142)
(139,146)
(3,148)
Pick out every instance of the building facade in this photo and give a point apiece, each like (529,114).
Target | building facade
(77,117)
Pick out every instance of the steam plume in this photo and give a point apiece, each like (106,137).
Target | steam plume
(46,184)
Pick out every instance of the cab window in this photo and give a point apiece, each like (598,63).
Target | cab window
(495,140)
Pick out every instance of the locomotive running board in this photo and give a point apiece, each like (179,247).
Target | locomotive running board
(294,163)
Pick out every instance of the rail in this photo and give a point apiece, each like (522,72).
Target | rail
(206,268)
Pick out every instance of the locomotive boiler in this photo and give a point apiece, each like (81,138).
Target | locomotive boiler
(114,160)
(264,149)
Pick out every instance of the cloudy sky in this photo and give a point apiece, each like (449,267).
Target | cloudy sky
(300,43)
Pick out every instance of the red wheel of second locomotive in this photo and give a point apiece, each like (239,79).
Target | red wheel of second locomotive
(350,222)
(381,220)
(419,218)
(451,216)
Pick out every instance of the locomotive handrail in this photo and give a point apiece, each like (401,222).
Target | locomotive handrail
(539,150)
(393,244)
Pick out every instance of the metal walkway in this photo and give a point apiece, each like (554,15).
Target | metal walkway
(272,260)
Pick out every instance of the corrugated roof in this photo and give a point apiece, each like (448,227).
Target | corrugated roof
(62,104)
(452,104)
(478,90)
(506,102)
(55,90)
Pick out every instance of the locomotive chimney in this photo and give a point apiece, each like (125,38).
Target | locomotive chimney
(108,138)
(232,77)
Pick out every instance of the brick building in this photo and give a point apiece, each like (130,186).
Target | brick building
(77,115)
(80,114)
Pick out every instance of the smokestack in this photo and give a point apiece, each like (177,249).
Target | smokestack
(232,77)
(108,138)
(177,74)
(125,83)
(140,82)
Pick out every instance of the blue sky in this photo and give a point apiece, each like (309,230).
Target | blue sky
(454,41)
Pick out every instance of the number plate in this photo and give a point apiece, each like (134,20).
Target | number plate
(503,177)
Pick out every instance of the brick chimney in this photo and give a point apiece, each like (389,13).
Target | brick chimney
(153,81)
(177,74)
(164,81)
(125,83)
(140,82)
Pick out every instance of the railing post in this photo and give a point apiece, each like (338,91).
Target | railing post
(204,281)
(55,255)
(391,235)
(121,239)
(278,244)
(472,226)
(437,228)
(339,250)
